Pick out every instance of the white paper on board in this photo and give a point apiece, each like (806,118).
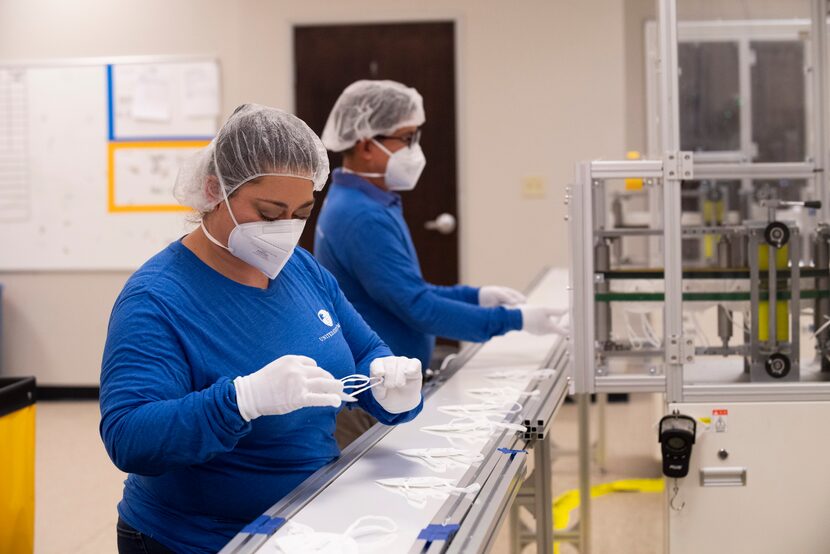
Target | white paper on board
(151,101)
(200,90)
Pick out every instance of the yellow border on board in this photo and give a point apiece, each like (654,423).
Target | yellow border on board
(112,207)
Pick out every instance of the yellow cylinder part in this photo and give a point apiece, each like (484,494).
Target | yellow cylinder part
(713,212)
(782,257)
(782,321)
(17,481)
(708,211)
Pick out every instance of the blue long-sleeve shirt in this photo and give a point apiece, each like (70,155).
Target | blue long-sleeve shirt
(179,334)
(363,239)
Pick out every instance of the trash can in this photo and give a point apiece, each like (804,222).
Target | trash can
(17,465)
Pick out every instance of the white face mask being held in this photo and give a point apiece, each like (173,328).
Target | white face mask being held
(265,245)
(403,169)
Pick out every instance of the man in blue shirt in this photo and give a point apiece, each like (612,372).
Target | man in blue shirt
(362,238)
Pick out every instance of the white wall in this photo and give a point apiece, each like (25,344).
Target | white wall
(541,85)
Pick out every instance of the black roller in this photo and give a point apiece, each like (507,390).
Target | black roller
(778,366)
(777,234)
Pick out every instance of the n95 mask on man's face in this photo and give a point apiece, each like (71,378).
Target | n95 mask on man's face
(403,169)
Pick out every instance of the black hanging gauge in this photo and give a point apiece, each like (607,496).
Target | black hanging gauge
(676,436)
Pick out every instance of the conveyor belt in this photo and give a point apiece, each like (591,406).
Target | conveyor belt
(344,490)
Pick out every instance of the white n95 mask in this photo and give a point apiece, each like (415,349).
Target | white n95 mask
(265,245)
(417,490)
(441,459)
(403,169)
(521,374)
(484,410)
(470,430)
(297,538)
(495,395)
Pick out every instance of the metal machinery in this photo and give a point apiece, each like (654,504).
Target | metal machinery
(720,297)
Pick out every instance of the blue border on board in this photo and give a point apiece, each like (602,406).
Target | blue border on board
(205,138)
(111,121)
(110,102)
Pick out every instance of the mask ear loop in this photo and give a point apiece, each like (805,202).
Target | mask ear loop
(414,496)
(472,488)
(515,408)
(467,457)
(434,463)
(355,531)
(360,383)
(222,186)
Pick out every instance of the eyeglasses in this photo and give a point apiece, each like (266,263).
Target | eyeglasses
(411,139)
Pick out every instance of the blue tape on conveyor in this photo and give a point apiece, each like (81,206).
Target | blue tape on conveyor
(435,532)
(263,525)
(511,452)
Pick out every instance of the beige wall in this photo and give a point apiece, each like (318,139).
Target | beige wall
(540,86)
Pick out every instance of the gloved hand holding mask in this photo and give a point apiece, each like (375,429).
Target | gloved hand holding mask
(286,384)
(400,389)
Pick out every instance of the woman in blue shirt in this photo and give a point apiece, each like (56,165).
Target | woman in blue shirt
(220,380)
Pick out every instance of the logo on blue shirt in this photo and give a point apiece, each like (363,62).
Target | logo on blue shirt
(325,317)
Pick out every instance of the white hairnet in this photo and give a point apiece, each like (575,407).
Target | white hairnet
(255,141)
(369,108)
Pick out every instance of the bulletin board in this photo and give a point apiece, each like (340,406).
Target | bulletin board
(89,152)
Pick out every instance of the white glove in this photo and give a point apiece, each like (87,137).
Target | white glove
(400,390)
(490,297)
(286,384)
(540,320)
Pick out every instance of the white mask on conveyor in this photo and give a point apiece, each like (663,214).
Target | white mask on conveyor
(367,534)
(496,395)
(485,409)
(470,429)
(521,374)
(417,490)
(441,459)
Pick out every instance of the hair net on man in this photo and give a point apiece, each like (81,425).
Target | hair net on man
(255,141)
(369,108)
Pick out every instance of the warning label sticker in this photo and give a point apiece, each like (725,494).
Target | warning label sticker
(720,420)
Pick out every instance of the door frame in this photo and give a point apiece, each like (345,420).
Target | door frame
(433,16)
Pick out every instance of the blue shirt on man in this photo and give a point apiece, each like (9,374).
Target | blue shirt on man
(363,239)
(179,334)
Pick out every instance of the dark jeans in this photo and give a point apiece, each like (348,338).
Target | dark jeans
(131,541)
